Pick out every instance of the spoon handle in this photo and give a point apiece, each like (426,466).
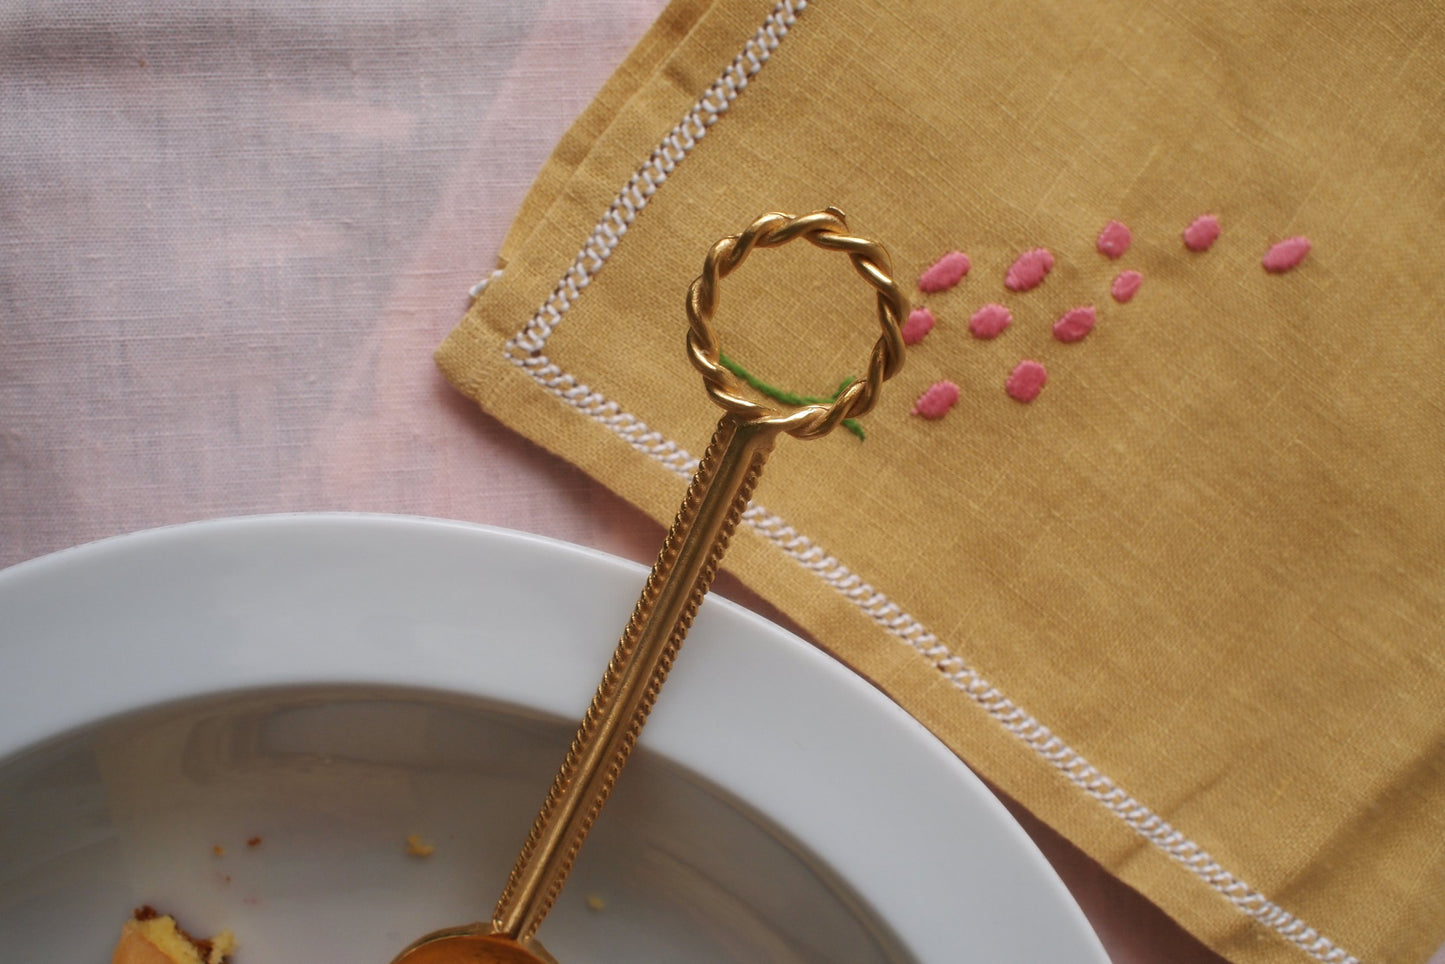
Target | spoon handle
(679,580)
(711,510)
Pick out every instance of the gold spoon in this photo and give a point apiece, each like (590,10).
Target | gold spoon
(715,500)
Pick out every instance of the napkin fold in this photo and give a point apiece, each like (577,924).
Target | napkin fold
(1149,527)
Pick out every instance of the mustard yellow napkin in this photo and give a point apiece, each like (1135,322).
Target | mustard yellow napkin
(1170,567)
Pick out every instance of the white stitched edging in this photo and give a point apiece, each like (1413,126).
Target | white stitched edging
(525,349)
(1048,746)
(475,291)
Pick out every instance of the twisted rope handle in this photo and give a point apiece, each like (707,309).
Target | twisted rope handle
(826,229)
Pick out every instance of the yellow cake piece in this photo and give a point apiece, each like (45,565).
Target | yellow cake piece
(153,938)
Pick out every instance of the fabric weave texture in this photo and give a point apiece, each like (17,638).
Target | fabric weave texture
(1186,604)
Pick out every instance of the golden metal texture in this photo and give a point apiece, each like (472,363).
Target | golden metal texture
(710,512)
(827,230)
(680,578)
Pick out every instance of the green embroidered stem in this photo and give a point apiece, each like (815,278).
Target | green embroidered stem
(787,397)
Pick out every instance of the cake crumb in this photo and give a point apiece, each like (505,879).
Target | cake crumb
(254,842)
(149,936)
(217,850)
(417,847)
(595,903)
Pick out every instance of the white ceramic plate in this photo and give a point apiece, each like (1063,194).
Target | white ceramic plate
(331,684)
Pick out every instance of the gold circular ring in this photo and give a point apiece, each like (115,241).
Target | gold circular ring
(827,230)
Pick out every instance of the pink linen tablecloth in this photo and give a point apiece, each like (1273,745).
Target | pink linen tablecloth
(232,234)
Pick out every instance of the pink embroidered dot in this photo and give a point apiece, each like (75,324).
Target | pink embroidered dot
(1202,232)
(920,322)
(1075,323)
(1029,270)
(989,321)
(1027,381)
(1115,239)
(1286,255)
(946,272)
(937,400)
(1126,285)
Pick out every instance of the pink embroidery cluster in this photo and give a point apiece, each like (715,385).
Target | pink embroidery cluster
(946,272)
(936,400)
(1028,271)
(1113,242)
(1202,232)
(1286,255)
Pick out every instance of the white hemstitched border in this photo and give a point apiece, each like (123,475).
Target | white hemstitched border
(640,188)
(525,349)
(476,290)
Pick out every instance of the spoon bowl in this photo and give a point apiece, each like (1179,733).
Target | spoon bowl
(475,944)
